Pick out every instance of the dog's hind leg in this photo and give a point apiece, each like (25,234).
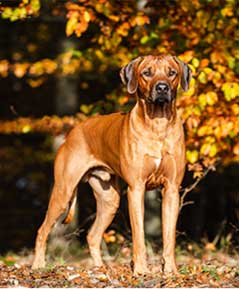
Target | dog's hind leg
(107,201)
(68,172)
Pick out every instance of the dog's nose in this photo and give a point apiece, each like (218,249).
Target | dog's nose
(162,87)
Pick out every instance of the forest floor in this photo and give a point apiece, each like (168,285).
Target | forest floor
(198,267)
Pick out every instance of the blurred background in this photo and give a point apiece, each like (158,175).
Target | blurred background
(59,64)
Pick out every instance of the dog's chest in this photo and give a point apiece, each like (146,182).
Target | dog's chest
(152,171)
(157,162)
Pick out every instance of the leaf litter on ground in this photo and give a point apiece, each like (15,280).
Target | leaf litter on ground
(211,270)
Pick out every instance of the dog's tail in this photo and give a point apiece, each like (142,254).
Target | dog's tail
(71,211)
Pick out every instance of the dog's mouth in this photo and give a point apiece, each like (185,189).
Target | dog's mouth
(163,98)
(160,98)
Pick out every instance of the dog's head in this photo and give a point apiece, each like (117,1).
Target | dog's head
(156,78)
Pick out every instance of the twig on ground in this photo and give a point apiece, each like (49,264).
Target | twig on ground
(193,186)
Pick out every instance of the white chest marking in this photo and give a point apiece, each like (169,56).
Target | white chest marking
(157,162)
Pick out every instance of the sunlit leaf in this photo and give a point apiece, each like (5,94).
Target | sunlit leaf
(235,109)
(204,130)
(227,11)
(192,156)
(7,12)
(230,90)
(211,97)
(87,16)
(144,39)
(140,20)
(71,25)
(195,62)
(204,62)
(35,5)
(213,150)
(236,149)
(26,128)
(4,66)
(202,77)
(20,69)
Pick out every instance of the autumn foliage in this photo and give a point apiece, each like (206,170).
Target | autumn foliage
(203,33)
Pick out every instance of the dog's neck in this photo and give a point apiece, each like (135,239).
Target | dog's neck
(154,117)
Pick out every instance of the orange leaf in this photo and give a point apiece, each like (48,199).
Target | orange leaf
(236,149)
(204,62)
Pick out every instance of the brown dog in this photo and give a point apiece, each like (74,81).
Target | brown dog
(144,147)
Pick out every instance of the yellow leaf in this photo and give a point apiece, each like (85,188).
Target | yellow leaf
(195,62)
(230,90)
(191,90)
(221,68)
(202,77)
(210,139)
(26,128)
(99,54)
(202,99)
(7,12)
(216,77)
(87,16)
(207,70)
(86,108)
(141,20)
(209,149)
(204,130)
(71,25)
(192,156)
(227,11)
(213,150)
(211,97)
(205,149)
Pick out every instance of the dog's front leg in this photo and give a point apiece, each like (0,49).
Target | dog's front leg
(136,212)
(170,208)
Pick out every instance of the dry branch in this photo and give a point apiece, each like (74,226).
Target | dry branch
(193,186)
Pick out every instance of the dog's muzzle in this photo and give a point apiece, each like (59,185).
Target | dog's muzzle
(162,93)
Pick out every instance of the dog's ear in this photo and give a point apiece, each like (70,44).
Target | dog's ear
(128,75)
(186,74)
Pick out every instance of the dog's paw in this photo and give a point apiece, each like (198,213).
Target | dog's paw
(170,269)
(140,269)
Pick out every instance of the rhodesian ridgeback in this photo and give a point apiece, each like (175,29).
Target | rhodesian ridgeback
(145,147)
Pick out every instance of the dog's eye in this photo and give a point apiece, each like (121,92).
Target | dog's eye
(147,73)
(172,73)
